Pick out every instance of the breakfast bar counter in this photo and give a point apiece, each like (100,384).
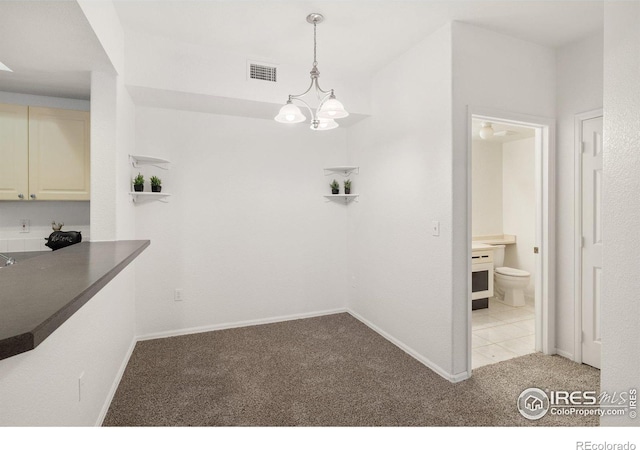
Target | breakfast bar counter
(40,292)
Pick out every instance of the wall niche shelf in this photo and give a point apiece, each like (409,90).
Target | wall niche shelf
(345,171)
(141,196)
(343,198)
(141,160)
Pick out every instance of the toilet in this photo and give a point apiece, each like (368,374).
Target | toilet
(509,283)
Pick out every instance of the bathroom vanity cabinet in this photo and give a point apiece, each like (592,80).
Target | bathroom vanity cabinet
(481,277)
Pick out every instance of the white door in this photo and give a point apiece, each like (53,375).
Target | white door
(592,239)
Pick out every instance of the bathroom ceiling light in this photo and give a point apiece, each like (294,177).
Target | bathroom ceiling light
(329,107)
(486,132)
(3,67)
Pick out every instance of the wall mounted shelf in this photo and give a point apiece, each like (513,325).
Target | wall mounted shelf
(345,171)
(140,196)
(346,198)
(140,160)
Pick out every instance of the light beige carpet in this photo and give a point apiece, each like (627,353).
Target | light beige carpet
(325,371)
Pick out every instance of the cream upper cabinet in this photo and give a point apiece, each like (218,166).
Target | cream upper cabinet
(59,154)
(44,153)
(14,152)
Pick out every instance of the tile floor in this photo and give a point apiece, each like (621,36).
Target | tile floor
(502,332)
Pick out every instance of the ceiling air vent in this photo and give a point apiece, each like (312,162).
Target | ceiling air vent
(258,71)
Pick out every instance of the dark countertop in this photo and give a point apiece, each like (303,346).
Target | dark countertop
(21,256)
(44,289)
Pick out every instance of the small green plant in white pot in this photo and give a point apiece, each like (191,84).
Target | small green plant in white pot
(156,184)
(138,183)
(335,187)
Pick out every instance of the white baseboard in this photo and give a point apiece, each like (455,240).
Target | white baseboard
(411,352)
(243,323)
(565,354)
(116,383)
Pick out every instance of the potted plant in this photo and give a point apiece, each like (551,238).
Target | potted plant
(156,184)
(138,183)
(335,187)
(347,186)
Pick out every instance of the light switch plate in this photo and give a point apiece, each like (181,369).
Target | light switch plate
(435,228)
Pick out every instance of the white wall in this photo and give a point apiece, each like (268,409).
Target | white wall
(126,145)
(400,275)
(106,25)
(486,188)
(40,387)
(514,76)
(246,234)
(579,89)
(103,155)
(621,203)
(75,215)
(519,204)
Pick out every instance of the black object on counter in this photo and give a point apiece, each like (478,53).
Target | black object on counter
(61,239)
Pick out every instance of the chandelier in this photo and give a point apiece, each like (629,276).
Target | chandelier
(328,108)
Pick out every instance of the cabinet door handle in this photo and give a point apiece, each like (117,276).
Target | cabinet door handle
(20,196)
(33,196)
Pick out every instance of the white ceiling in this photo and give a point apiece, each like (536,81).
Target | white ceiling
(359,35)
(52,49)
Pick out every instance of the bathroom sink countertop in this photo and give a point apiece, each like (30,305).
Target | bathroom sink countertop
(500,239)
(43,289)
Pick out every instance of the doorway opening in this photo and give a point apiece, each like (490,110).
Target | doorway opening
(510,235)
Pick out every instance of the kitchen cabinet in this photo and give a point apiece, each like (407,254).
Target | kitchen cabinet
(48,153)
(59,154)
(14,152)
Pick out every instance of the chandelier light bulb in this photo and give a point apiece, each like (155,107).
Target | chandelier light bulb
(290,113)
(332,109)
(324,125)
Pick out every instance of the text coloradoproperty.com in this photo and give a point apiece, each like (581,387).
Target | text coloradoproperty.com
(586,411)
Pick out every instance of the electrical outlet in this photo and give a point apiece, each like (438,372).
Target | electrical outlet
(177,295)
(25,226)
(80,386)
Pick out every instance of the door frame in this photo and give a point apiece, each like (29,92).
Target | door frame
(577,219)
(545,140)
